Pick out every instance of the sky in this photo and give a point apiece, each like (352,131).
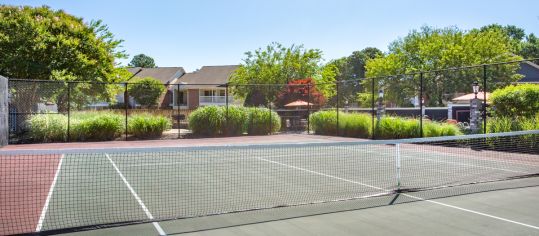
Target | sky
(195,33)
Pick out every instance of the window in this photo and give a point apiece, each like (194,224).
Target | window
(222,93)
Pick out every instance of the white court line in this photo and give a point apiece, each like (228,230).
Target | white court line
(144,208)
(418,198)
(49,196)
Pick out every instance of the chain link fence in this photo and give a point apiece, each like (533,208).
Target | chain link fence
(361,108)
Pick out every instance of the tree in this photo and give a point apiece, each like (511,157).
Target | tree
(303,90)
(524,45)
(43,44)
(352,68)
(146,91)
(433,49)
(143,61)
(273,65)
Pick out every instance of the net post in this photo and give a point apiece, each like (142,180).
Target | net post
(337,87)
(421,104)
(178,110)
(68,111)
(398,165)
(484,115)
(126,102)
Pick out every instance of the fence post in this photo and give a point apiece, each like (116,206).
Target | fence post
(484,99)
(269,105)
(372,110)
(178,110)
(421,105)
(68,111)
(338,100)
(226,104)
(308,107)
(126,103)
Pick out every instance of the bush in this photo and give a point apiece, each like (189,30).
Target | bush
(148,126)
(48,127)
(206,120)
(96,126)
(389,127)
(213,121)
(350,125)
(324,122)
(507,124)
(258,122)
(516,100)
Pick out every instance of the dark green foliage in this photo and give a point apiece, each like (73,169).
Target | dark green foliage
(516,100)
(213,121)
(146,91)
(509,123)
(144,125)
(143,61)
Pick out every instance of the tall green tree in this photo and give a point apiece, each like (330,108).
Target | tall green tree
(146,91)
(256,78)
(351,69)
(524,45)
(143,61)
(44,44)
(432,49)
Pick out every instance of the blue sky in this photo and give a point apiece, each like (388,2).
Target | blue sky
(203,32)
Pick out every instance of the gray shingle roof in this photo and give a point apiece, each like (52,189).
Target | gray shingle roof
(163,74)
(208,75)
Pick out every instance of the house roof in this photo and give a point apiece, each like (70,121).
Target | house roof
(530,71)
(208,76)
(163,74)
(470,96)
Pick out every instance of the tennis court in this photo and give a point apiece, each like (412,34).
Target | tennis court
(185,189)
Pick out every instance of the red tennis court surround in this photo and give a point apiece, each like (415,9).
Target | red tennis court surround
(25,182)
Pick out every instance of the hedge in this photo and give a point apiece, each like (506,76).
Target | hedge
(145,125)
(93,126)
(215,121)
(360,125)
(516,100)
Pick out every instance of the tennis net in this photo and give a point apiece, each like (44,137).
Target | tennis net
(77,189)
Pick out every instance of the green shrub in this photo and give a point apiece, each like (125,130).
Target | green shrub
(233,121)
(48,127)
(96,126)
(516,100)
(148,126)
(391,127)
(258,122)
(507,124)
(324,122)
(207,120)
(355,125)
(214,120)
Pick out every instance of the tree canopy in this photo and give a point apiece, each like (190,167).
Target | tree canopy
(43,44)
(143,61)
(432,49)
(146,91)
(276,64)
(36,41)
(352,68)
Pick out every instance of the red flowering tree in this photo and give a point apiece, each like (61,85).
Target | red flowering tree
(302,90)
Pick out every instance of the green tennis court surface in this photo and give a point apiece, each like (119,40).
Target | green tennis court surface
(183,190)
